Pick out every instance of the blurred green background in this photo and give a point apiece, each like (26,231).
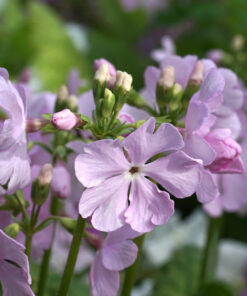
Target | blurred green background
(53,37)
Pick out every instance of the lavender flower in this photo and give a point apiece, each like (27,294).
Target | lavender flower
(117,253)
(108,168)
(14,268)
(14,160)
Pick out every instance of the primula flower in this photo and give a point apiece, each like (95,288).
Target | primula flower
(14,160)
(117,253)
(109,169)
(215,147)
(14,268)
(233,99)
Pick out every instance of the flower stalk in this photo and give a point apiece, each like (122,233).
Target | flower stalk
(210,251)
(130,275)
(71,260)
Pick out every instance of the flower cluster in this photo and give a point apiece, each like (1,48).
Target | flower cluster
(117,157)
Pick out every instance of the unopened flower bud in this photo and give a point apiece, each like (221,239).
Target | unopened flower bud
(102,74)
(126,118)
(124,80)
(62,98)
(65,120)
(197,73)
(63,93)
(108,103)
(176,96)
(61,181)
(135,99)
(45,175)
(73,103)
(12,230)
(112,70)
(41,185)
(35,124)
(164,86)
(101,78)
(99,107)
(167,77)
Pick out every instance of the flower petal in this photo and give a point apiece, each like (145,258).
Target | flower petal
(100,160)
(106,203)
(151,76)
(214,208)
(120,255)
(15,167)
(196,114)
(212,88)
(103,282)
(207,189)
(142,144)
(14,280)
(148,206)
(198,148)
(177,173)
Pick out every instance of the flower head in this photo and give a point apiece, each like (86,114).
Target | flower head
(110,169)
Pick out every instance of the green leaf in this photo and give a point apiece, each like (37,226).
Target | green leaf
(45,223)
(179,276)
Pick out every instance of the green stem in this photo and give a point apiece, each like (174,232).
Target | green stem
(210,252)
(30,232)
(45,264)
(131,271)
(44,272)
(28,244)
(71,260)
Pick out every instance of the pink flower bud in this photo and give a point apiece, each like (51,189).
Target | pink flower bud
(35,124)
(61,181)
(45,175)
(126,118)
(227,152)
(197,73)
(65,120)
(112,70)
